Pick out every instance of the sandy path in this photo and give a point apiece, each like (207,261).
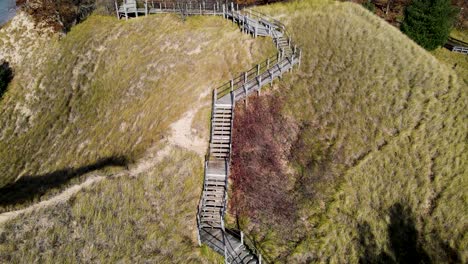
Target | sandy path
(181,136)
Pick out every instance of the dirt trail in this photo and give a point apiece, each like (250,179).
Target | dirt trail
(181,136)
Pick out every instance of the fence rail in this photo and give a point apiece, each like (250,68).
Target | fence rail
(224,98)
(456,45)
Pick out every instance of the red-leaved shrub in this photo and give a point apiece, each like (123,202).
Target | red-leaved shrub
(262,141)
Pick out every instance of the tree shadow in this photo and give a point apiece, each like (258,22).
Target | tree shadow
(369,245)
(29,188)
(405,243)
(6,75)
(403,237)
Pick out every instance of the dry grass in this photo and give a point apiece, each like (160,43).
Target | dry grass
(128,220)
(383,160)
(110,88)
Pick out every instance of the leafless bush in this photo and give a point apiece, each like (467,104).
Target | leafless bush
(262,141)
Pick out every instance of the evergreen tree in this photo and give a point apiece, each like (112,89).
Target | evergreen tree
(428,22)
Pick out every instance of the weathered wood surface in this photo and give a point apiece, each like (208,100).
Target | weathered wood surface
(212,206)
(456,45)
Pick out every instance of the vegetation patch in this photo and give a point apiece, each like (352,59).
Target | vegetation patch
(381,145)
(262,142)
(429,22)
(110,89)
(126,219)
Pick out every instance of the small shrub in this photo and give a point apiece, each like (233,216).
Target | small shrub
(369,6)
(262,139)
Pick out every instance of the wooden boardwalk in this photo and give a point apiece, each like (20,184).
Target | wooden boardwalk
(456,45)
(213,204)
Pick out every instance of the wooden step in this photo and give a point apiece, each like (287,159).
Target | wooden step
(220,150)
(215,183)
(220,155)
(220,141)
(224,106)
(222,116)
(223,125)
(213,191)
(218,130)
(220,145)
(224,112)
(221,119)
(210,210)
(218,201)
(213,199)
(221,137)
(221,132)
(210,216)
(218,205)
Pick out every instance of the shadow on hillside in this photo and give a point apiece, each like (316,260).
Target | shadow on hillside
(6,75)
(403,240)
(30,188)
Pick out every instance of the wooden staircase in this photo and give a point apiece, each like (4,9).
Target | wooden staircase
(212,206)
(221,123)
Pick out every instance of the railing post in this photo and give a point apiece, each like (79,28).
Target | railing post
(215,95)
(224,11)
(232,12)
(136,11)
(200,9)
(245,91)
(117,9)
(125,10)
(198,230)
(271,77)
(233,102)
(146,7)
(259,81)
(242,238)
(245,77)
(258,69)
(232,85)
(300,58)
(280,71)
(259,258)
(268,63)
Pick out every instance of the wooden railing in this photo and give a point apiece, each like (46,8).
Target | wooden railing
(235,89)
(243,78)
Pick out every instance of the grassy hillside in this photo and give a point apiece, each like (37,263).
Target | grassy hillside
(104,93)
(96,99)
(378,169)
(130,220)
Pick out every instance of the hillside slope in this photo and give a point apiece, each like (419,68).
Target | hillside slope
(106,92)
(109,94)
(377,169)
